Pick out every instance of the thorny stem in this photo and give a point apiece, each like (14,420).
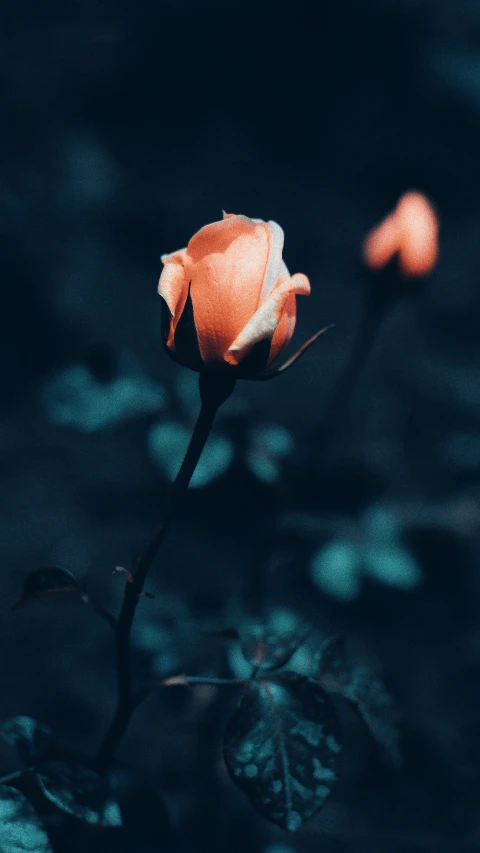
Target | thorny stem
(215,388)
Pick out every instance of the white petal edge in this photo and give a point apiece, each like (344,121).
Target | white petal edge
(274,262)
(265,320)
(172,279)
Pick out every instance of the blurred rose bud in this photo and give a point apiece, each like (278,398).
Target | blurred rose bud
(229,298)
(411,230)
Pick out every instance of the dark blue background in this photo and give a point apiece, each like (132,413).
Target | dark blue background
(126,126)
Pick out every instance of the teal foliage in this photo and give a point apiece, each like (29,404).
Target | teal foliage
(271,644)
(266,448)
(269,445)
(304,651)
(374,549)
(21,829)
(30,738)
(74,398)
(282,747)
(164,631)
(336,570)
(375,706)
(79,791)
(278,848)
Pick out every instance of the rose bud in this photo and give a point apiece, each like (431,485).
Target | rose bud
(229,298)
(411,232)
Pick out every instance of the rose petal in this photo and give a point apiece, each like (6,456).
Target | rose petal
(418,226)
(173,287)
(226,263)
(274,262)
(285,329)
(381,244)
(266,319)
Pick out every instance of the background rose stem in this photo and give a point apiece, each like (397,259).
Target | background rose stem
(215,387)
(382,290)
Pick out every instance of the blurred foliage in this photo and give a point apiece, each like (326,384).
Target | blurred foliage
(374,548)
(75,398)
(20,827)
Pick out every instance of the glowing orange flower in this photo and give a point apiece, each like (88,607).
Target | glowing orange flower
(411,230)
(229,298)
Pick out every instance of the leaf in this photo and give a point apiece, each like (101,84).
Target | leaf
(336,568)
(330,661)
(360,686)
(21,830)
(46,581)
(30,738)
(74,398)
(283,748)
(374,704)
(79,791)
(392,565)
(269,445)
(267,649)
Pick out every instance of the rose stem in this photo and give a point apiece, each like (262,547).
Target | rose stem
(383,289)
(215,388)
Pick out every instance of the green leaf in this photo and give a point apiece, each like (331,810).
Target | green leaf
(47,581)
(30,738)
(79,791)
(283,747)
(21,830)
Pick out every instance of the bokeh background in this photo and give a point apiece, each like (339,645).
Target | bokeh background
(125,127)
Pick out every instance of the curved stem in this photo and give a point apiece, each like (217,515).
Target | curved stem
(186,680)
(215,388)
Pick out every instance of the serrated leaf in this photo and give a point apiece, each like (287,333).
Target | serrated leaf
(30,738)
(46,581)
(374,704)
(79,791)
(21,829)
(283,747)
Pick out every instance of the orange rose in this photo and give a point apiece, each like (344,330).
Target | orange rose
(229,298)
(411,230)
